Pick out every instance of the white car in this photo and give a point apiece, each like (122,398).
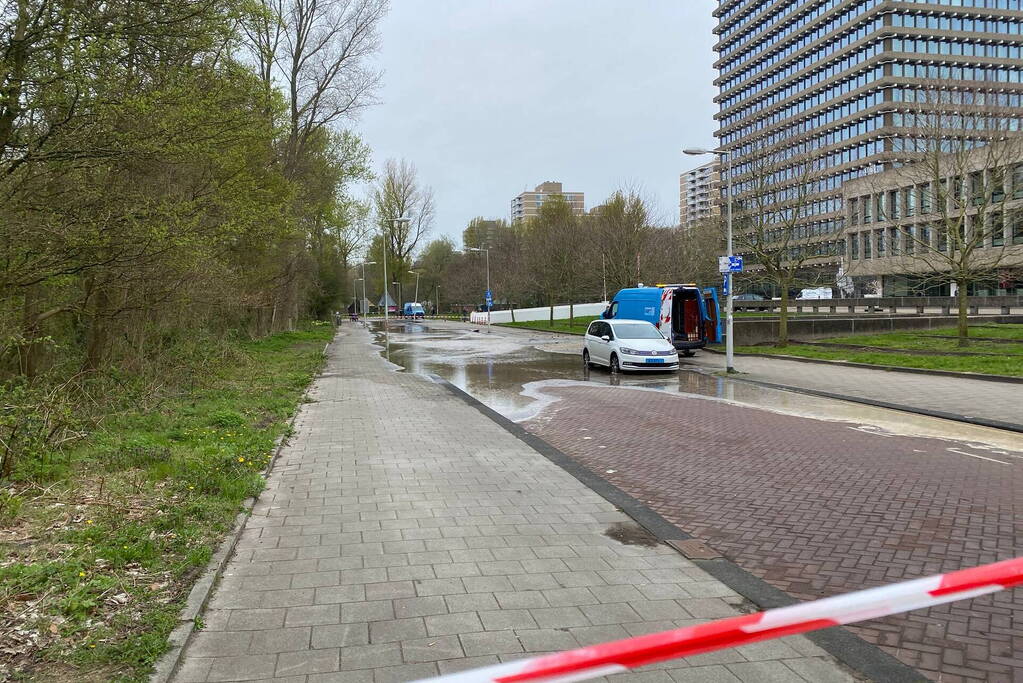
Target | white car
(628,345)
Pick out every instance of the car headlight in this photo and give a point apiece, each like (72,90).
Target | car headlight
(631,352)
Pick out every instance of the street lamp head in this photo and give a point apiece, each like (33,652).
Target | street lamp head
(699,151)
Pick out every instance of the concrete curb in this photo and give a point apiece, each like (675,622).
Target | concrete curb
(979,421)
(1008,379)
(195,603)
(845,646)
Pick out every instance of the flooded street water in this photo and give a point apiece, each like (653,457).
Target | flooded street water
(517,372)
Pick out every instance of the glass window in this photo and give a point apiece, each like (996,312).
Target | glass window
(866,244)
(996,228)
(924,197)
(908,240)
(879,238)
(893,241)
(854,245)
(1017,226)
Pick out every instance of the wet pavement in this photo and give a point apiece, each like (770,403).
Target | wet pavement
(517,373)
(815,496)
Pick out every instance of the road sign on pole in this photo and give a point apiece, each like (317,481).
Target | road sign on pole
(488,299)
(729,264)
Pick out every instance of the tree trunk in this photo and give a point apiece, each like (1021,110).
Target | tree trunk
(96,336)
(783,318)
(964,310)
(27,351)
(512,309)
(571,315)
(550,302)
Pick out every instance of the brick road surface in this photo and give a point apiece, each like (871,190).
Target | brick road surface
(1001,401)
(818,508)
(403,534)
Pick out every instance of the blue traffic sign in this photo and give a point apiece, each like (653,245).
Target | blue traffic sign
(734,264)
(724,286)
(488,298)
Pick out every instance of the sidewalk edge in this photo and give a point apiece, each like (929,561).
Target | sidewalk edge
(1004,379)
(842,644)
(167,665)
(979,421)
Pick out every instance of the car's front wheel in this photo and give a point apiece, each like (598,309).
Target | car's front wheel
(615,366)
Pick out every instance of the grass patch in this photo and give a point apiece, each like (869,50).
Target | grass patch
(1009,360)
(102,544)
(561,325)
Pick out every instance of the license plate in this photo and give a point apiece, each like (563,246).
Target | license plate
(654,360)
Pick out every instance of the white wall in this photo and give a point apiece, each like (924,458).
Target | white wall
(541,313)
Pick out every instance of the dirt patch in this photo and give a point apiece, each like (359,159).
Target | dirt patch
(630,533)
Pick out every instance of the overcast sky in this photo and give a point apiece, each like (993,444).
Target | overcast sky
(492,97)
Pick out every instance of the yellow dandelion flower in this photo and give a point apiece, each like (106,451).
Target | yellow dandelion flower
(88,521)
(241,459)
(81,573)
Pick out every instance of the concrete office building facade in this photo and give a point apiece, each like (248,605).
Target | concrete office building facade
(824,88)
(699,194)
(528,204)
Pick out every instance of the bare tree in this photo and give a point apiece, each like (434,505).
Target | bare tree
(947,208)
(771,228)
(556,251)
(399,194)
(319,50)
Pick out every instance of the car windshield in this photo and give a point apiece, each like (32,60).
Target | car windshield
(637,331)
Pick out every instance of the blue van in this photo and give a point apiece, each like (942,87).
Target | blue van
(413,309)
(686,315)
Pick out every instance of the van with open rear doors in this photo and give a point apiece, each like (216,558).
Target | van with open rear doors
(685,315)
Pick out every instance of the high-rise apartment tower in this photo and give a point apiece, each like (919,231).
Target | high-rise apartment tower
(835,83)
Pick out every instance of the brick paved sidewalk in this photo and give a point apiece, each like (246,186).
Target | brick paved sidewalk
(998,401)
(403,534)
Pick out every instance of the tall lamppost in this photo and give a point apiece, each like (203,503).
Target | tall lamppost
(387,242)
(416,297)
(399,305)
(365,300)
(729,339)
(487,250)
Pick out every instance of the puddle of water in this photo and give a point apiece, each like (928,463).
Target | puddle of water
(514,373)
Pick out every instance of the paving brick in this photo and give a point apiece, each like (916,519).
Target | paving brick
(399,523)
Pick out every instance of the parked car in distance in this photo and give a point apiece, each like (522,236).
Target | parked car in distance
(413,309)
(747,296)
(623,344)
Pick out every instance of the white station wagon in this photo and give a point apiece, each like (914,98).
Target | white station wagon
(628,345)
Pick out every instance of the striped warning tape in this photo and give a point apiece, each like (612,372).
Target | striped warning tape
(622,655)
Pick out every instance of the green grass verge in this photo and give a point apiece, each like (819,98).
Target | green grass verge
(1009,360)
(104,543)
(581,323)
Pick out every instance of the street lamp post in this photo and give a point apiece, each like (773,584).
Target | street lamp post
(365,300)
(729,339)
(487,250)
(396,222)
(416,297)
(398,304)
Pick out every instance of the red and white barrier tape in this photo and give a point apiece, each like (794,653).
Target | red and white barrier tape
(621,655)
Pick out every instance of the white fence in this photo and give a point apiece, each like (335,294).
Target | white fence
(539,313)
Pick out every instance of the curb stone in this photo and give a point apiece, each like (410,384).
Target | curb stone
(1007,379)
(851,650)
(199,595)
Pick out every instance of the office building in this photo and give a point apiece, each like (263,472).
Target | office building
(827,90)
(528,204)
(699,194)
(903,225)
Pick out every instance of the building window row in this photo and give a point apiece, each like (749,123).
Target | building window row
(803,104)
(774,32)
(955,23)
(821,139)
(983,187)
(804,169)
(824,70)
(987,74)
(956,48)
(992,230)
(850,35)
(820,120)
